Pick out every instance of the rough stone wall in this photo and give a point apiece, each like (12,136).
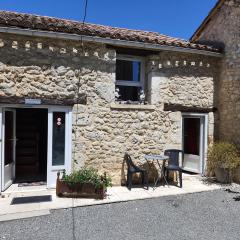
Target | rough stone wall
(44,68)
(106,133)
(224,30)
(103,133)
(188,80)
(184,79)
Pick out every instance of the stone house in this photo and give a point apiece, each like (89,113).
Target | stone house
(221,29)
(59,87)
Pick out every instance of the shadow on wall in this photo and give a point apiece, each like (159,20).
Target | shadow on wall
(30,51)
(216,44)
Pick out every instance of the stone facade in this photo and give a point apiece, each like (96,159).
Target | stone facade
(224,30)
(103,130)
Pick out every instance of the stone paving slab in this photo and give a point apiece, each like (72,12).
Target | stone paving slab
(191,184)
(22,215)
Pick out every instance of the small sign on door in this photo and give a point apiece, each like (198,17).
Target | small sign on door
(32,101)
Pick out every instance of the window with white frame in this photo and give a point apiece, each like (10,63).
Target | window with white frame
(129,77)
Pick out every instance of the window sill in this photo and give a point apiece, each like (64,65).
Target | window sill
(132,107)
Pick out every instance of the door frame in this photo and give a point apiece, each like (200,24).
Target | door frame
(52,170)
(3,124)
(1,152)
(68,137)
(203,137)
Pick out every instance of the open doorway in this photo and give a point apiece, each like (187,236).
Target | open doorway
(35,144)
(194,142)
(31,145)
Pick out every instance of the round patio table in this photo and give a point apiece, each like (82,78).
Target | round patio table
(161,162)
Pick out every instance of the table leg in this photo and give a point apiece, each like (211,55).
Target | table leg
(163,166)
(159,175)
(160,170)
(149,167)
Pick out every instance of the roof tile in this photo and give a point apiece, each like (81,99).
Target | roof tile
(35,22)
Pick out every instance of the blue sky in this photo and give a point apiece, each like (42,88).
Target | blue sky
(178,18)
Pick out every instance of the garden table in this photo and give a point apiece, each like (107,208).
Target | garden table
(161,162)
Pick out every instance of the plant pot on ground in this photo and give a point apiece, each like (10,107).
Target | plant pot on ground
(222,175)
(84,183)
(223,158)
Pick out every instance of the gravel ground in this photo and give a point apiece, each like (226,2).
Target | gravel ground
(206,215)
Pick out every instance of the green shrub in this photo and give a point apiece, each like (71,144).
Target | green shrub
(87,175)
(224,155)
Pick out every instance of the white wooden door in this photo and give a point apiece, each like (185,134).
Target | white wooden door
(59,143)
(8,147)
(193,142)
(1,155)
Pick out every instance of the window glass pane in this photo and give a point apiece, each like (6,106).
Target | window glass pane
(58,141)
(127,70)
(128,93)
(136,70)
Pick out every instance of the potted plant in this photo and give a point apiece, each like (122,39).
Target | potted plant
(223,158)
(85,182)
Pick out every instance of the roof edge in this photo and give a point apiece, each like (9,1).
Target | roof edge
(207,19)
(44,23)
(116,42)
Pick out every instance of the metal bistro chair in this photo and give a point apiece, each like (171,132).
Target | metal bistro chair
(173,163)
(132,168)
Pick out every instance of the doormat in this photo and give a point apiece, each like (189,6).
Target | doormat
(29,184)
(32,199)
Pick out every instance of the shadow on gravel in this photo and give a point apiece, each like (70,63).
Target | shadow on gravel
(212,180)
(230,191)
(237,198)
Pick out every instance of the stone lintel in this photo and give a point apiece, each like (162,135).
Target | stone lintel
(44,100)
(182,108)
(132,107)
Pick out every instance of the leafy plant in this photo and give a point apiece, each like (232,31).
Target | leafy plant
(224,155)
(107,181)
(87,175)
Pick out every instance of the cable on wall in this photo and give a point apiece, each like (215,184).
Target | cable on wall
(79,80)
(85,11)
(83,22)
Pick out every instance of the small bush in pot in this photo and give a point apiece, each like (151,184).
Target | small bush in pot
(223,157)
(86,182)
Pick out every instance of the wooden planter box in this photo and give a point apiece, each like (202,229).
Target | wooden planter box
(86,190)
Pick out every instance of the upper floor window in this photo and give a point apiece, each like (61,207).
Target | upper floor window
(129,77)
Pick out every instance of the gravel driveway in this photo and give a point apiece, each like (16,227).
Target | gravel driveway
(206,215)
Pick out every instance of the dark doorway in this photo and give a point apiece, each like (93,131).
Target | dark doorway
(191,135)
(31,147)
